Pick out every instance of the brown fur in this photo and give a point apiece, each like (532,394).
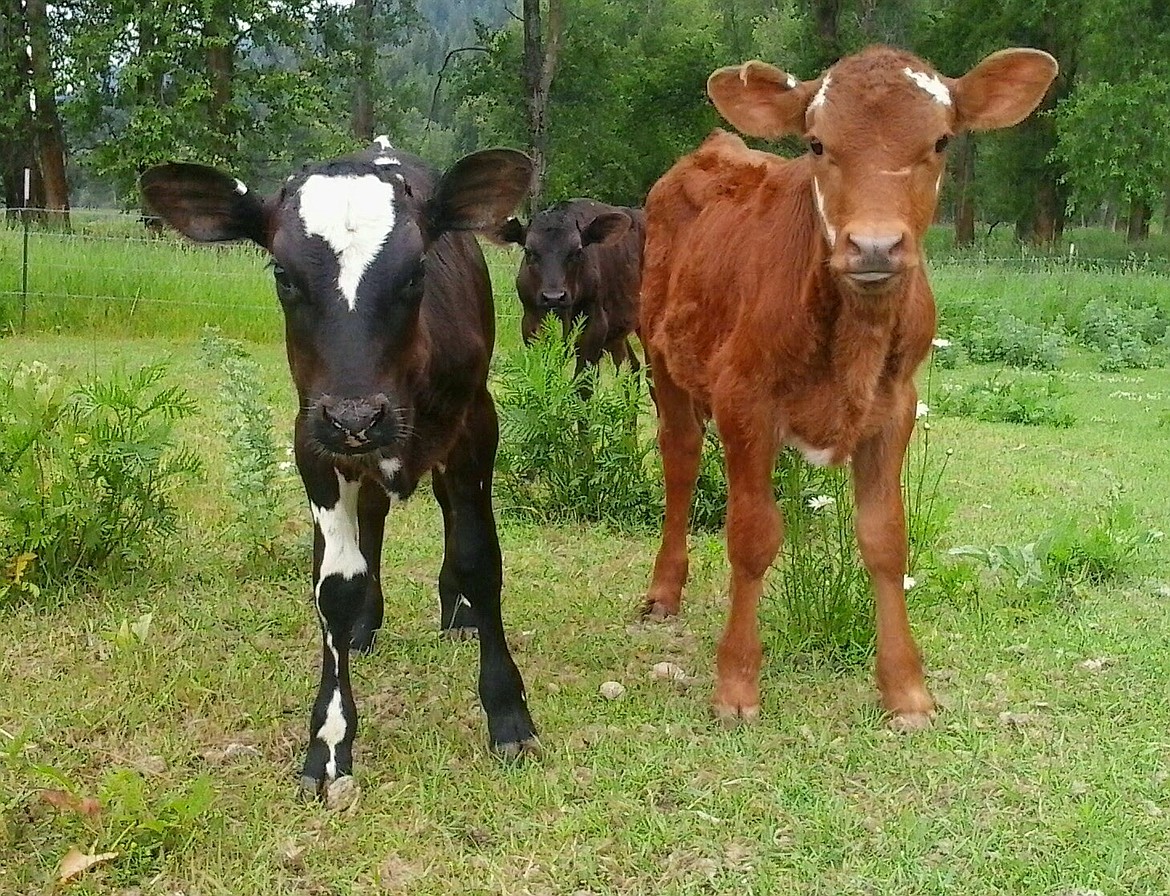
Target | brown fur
(786,326)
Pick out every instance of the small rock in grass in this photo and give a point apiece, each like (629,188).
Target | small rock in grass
(1010,719)
(668,672)
(342,794)
(611,690)
(1096,664)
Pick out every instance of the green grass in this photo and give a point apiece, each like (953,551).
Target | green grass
(1041,776)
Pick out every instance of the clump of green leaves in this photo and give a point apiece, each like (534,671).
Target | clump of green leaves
(821,582)
(1106,548)
(1127,336)
(564,457)
(1008,401)
(142,826)
(1009,340)
(255,483)
(87,473)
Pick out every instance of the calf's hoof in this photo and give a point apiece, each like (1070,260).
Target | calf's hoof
(911,709)
(513,735)
(732,715)
(310,789)
(518,750)
(906,722)
(658,610)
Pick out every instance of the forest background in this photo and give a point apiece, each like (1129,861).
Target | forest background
(604,93)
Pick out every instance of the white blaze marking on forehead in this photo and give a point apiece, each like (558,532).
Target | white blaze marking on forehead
(386,160)
(383,141)
(830,230)
(819,99)
(353,213)
(241,187)
(932,84)
(339,528)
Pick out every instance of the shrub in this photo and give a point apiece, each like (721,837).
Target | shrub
(1048,570)
(1009,340)
(86,474)
(563,458)
(1129,337)
(1007,401)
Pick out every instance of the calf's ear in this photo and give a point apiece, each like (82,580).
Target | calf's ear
(480,192)
(1003,89)
(204,204)
(605,229)
(760,100)
(511,231)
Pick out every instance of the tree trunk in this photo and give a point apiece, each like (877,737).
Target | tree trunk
(219,50)
(1138,226)
(50,138)
(827,18)
(17,140)
(964,164)
(541,47)
(1046,222)
(362,118)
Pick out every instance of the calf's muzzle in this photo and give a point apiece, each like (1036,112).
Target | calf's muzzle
(355,425)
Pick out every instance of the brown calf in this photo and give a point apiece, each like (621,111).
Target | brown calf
(787,300)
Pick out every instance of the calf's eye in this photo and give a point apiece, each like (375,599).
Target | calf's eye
(817,147)
(941,143)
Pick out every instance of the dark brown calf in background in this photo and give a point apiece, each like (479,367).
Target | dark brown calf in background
(582,259)
(389,329)
(787,300)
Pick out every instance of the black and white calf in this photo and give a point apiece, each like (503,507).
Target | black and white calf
(389,329)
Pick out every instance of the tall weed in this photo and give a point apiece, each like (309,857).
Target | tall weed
(257,489)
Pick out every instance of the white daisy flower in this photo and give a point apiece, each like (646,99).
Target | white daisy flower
(820,502)
(941,343)
(908,582)
(921,410)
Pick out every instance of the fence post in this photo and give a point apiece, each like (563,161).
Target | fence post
(24,253)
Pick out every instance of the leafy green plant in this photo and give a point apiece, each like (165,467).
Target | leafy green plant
(1048,569)
(1009,340)
(1008,401)
(87,475)
(260,493)
(142,826)
(1128,336)
(564,457)
(821,582)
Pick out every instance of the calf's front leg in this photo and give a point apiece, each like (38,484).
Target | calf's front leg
(341,580)
(881,537)
(754,531)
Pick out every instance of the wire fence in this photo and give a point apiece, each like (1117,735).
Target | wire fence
(105,269)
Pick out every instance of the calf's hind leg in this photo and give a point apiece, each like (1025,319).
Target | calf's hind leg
(473,552)
(455,617)
(680,441)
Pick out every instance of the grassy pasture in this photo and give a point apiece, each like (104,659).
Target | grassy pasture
(179,696)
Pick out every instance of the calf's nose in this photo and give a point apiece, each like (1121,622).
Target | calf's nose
(875,251)
(553,298)
(355,416)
